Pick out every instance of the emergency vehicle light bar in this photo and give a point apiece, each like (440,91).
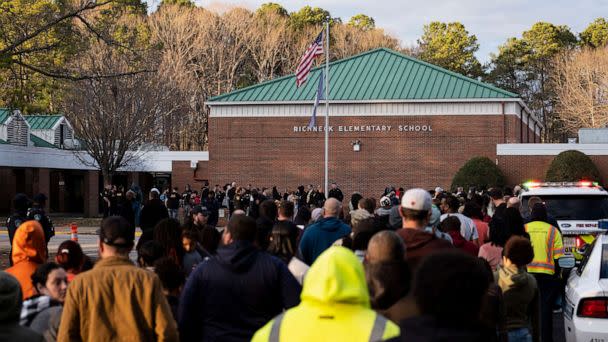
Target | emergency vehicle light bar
(581,184)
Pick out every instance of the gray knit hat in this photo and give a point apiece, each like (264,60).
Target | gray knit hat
(10,298)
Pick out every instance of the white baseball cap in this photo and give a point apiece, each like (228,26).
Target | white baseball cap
(155,190)
(438,189)
(416,199)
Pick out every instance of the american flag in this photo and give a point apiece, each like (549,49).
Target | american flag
(315,49)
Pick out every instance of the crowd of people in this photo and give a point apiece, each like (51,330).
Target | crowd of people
(415,265)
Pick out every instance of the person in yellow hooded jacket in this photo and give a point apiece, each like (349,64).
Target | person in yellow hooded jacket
(29,252)
(335,306)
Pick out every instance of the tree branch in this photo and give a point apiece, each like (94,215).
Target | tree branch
(81,77)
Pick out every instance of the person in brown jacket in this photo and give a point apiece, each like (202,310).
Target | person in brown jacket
(116,301)
(415,213)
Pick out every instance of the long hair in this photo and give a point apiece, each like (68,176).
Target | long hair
(70,256)
(282,244)
(169,234)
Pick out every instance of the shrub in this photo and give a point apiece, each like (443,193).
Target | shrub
(480,172)
(571,166)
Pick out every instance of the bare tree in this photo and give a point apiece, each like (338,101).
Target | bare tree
(114,116)
(580,80)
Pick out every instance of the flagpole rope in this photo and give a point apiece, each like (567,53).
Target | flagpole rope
(327,107)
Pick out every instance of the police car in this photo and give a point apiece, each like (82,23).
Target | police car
(576,206)
(586,302)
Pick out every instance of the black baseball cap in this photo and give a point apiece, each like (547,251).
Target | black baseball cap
(116,231)
(198,209)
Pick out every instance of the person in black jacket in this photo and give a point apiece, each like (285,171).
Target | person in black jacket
(153,212)
(36,212)
(20,205)
(335,192)
(234,293)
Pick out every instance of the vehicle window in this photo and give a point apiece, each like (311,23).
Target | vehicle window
(581,267)
(564,207)
(604,266)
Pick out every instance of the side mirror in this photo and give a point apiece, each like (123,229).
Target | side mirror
(566,262)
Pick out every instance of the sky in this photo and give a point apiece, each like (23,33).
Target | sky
(492,21)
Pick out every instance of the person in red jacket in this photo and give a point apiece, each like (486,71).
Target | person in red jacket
(451,225)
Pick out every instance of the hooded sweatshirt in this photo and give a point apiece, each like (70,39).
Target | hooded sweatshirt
(335,304)
(419,244)
(319,236)
(232,294)
(29,251)
(521,298)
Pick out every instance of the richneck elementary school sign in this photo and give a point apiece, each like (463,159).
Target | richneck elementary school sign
(365,128)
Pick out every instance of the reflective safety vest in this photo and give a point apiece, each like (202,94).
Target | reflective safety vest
(376,334)
(547,244)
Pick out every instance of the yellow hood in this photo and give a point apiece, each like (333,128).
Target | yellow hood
(336,276)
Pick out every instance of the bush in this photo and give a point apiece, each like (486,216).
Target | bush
(480,172)
(571,166)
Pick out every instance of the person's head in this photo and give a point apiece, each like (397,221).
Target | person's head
(386,270)
(199,215)
(39,200)
(496,195)
(450,287)
(172,278)
(268,209)
(385,246)
(154,194)
(302,216)
(283,241)
(363,229)
(168,233)
(239,212)
(21,203)
(336,277)
(175,189)
(11,298)
(514,202)
(539,212)
(149,252)
(130,195)
(518,251)
(472,210)
(51,280)
(415,209)
(532,201)
(514,222)
(70,256)
(29,243)
(189,240)
(316,214)
(334,185)
(368,204)
(385,202)
(240,228)
(499,233)
(116,237)
(332,208)
(286,210)
(450,204)
(450,224)
(354,200)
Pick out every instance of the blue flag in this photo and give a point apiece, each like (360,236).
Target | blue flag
(318,97)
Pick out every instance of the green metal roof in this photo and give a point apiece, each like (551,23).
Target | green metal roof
(4,114)
(380,74)
(39,142)
(42,121)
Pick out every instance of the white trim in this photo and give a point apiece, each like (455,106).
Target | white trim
(549,149)
(62,119)
(310,102)
(378,108)
(52,158)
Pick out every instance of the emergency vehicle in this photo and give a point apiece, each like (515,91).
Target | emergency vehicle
(575,206)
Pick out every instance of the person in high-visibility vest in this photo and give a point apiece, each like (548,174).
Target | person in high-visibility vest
(548,247)
(335,306)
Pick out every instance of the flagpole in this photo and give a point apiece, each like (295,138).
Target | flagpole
(326,130)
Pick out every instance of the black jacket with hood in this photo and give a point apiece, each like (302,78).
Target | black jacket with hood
(231,295)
